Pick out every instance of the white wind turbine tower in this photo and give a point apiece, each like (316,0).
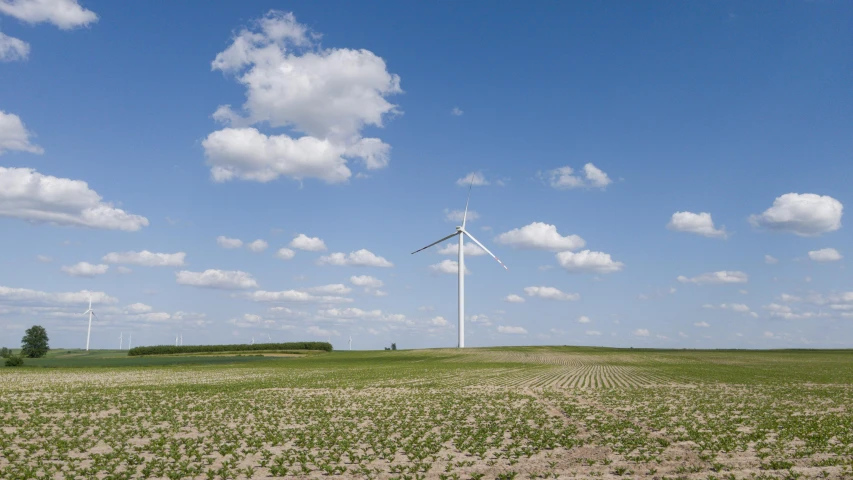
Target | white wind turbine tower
(129,340)
(120,340)
(182,339)
(461,233)
(91,313)
(350,342)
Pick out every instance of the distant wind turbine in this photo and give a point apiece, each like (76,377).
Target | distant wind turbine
(91,314)
(120,340)
(182,339)
(350,342)
(461,233)
(129,340)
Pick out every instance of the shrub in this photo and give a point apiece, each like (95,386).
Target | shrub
(172,349)
(14,361)
(5,352)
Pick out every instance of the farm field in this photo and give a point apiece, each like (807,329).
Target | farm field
(527,412)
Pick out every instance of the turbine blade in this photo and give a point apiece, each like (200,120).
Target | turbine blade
(484,248)
(433,243)
(465,215)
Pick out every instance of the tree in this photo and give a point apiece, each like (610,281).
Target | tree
(34,343)
(393,346)
(5,352)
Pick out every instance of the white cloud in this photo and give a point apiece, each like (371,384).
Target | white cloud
(593,333)
(474,178)
(65,14)
(13,49)
(366,281)
(147,259)
(641,332)
(285,254)
(439,322)
(565,177)
(550,293)
(701,325)
(34,297)
(321,332)
(85,269)
(587,261)
(226,242)
(448,266)
(44,258)
(297,296)
(540,236)
(329,94)
(716,278)
(825,255)
(332,289)
(456,215)
(15,136)
(136,308)
(583,319)
(457,112)
(805,214)
(349,313)
(31,196)
(249,320)
(698,223)
(770,260)
(222,279)
(513,298)
(470,249)
(359,258)
(311,244)
(257,246)
(787,313)
(512,330)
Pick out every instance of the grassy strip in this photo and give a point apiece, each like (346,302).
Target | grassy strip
(172,349)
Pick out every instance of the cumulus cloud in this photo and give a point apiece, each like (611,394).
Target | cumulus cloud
(583,319)
(257,246)
(13,133)
(701,324)
(770,260)
(31,196)
(787,313)
(641,332)
(250,320)
(328,94)
(513,298)
(566,177)
(11,50)
(470,249)
(456,112)
(349,313)
(85,269)
(447,266)
(456,215)
(65,14)
(359,258)
(321,332)
(221,279)
(698,223)
(296,296)
(136,308)
(44,258)
(593,333)
(226,242)
(366,281)
(310,244)
(511,330)
(332,289)
(439,322)
(540,236)
(147,259)
(474,178)
(550,293)
(716,278)
(805,214)
(285,254)
(825,255)
(587,261)
(24,296)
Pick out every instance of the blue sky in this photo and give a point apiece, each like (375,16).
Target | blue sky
(670,174)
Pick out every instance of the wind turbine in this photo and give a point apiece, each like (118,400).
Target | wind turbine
(461,233)
(182,339)
(91,313)
(350,342)
(120,340)
(129,340)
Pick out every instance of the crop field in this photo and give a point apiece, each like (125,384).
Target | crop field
(498,413)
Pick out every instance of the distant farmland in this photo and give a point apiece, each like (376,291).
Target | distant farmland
(503,413)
